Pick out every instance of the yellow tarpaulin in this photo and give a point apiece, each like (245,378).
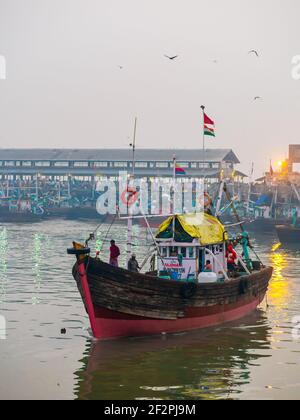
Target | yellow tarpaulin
(200,226)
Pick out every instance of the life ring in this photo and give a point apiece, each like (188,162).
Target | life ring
(205,200)
(129,196)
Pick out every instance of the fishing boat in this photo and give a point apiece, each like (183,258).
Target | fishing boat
(288,235)
(179,293)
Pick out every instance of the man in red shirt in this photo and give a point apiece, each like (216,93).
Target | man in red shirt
(114,254)
(231,256)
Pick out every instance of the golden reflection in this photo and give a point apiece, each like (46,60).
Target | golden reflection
(276,247)
(279,290)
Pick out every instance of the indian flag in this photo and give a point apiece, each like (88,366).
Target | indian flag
(179,170)
(209,126)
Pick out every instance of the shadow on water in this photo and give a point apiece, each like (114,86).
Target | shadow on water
(207,364)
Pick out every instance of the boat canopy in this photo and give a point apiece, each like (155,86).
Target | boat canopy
(207,229)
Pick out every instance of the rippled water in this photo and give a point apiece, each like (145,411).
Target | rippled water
(257,357)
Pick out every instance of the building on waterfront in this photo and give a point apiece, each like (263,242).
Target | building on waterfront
(94,164)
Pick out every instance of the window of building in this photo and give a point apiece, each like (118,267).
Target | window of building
(100,164)
(227,165)
(204,165)
(120,164)
(26,163)
(215,165)
(162,164)
(141,165)
(42,163)
(61,164)
(194,165)
(9,163)
(81,164)
(183,164)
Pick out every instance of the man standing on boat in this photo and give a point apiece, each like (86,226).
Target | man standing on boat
(114,254)
(231,257)
(133,265)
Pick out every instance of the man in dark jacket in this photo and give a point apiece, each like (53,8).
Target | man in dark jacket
(133,265)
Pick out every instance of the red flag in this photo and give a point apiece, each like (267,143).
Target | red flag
(208,121)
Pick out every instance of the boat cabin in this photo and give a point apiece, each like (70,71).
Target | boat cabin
(192,247)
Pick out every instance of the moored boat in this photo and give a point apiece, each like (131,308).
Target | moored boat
(190,289)
(288,235)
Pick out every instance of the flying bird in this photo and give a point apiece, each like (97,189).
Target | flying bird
(120,67)
(254,52)
(257,98)
(171,58)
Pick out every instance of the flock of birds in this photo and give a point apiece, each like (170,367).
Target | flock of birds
(174,57)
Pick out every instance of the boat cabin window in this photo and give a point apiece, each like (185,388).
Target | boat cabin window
(183,252)
(174,251)
(191,252)
(164,252)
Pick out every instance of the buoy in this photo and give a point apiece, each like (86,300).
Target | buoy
(207,277)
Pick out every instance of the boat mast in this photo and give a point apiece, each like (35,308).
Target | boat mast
(203,145)
(129,205)
(219,199)
(250,189)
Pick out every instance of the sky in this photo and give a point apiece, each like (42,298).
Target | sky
(64,86)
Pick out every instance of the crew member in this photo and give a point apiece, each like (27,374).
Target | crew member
(114,254)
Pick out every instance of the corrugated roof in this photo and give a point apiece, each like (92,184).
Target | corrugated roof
(211,155)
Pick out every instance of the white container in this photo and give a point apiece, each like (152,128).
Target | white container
(206,277)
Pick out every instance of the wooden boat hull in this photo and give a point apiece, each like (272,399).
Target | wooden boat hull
(114,325)
(124,304)
(288,235)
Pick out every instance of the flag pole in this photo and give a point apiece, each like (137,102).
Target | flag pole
(203,110)
(173,198)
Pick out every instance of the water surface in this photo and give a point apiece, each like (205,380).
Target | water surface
(256,357)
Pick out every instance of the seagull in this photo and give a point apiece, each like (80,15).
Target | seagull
(171,58)
(120,67)
(254,52)
(257,98)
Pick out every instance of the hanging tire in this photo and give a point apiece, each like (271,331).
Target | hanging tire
(77,252)
(188,290)
(243,286)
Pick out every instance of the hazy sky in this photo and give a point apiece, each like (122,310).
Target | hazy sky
(64,87)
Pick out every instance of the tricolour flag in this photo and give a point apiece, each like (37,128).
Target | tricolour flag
(209,126)
(179,170)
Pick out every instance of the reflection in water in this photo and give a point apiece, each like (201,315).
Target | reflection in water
(37,260)
(3,264)
(207,364)
(279,290)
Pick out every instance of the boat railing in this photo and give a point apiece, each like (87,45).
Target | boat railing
(241,261)
(218,263)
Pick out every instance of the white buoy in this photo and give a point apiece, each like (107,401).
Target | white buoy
(207,277)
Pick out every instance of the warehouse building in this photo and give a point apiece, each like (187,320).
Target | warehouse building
(94,164)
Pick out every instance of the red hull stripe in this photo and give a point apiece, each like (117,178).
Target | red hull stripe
(110,324)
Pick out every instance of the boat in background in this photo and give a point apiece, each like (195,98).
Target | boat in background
(289,235)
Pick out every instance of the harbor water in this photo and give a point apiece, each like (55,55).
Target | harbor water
(47,352)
